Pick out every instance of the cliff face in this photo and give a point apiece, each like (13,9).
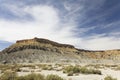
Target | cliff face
(39,44)
(42,50)
(44,41)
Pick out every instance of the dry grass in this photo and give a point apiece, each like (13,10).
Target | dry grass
(109,78)
(70,70)
(13,76)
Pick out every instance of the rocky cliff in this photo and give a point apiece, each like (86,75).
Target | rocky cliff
(39,50)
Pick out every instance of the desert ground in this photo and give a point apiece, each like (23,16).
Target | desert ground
(45,69)
(105,72)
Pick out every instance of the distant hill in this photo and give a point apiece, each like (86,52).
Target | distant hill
(39,50)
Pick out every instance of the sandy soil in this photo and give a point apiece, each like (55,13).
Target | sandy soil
(105,72)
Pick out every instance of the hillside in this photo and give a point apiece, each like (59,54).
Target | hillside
(42,50)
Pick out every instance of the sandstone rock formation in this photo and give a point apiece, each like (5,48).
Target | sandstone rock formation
(39,50)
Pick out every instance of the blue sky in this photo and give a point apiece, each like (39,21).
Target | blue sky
(86,24)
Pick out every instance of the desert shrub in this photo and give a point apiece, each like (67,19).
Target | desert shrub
(47,68)
(96,72)
(58,65)
(30,66)
(21,78)
(17,70)
(25,70)
(9,76)
(39,77)
(41,65)
(83,70)
(117,68)
(70,73)
(31,77)
(5,67)
(109,78)
(53,77)
(68,69)
(89,71)
(74,69)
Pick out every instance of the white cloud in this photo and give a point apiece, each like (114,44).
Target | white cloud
(112,24)
(102,43)
(47,24)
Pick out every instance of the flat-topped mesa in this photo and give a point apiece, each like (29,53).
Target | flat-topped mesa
(45,41)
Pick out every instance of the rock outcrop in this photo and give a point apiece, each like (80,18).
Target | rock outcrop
(39,50)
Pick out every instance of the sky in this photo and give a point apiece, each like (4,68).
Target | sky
(86,24)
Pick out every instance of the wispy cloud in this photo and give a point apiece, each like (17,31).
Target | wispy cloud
(71,22)
(101,43)
(46,24)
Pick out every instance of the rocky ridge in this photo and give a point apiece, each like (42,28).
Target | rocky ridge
(38,50)
(37,43)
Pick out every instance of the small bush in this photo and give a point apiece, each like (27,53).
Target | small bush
(9,76)
(97,72)
(6,67)
(89,71)
(39,77)
(74,69)
(35,77)
(10,73)
(77,69)
(70,73)
(21,78)
(109,78)
(17,70)
(117,68)
(53,77)
(84,70)
(68,69)
(47,68)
